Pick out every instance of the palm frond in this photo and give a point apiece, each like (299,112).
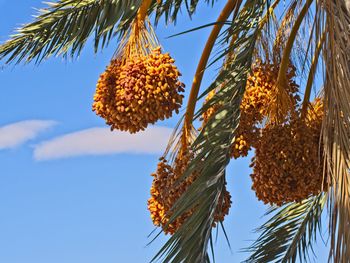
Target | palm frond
(65,26)
(171,8)
(290,233)
(212,147)
(336,124)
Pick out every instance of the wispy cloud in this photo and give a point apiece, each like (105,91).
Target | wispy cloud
(99,141)
(15,134)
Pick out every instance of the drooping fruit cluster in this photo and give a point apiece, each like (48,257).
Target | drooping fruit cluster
(139,91)
(167,189)
(288,163)
(258,95)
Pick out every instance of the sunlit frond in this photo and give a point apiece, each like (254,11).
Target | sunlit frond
(63,27)
(212,147)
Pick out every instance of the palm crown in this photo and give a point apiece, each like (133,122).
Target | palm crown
(302,149)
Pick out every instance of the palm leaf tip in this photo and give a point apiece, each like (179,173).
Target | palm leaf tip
(65,26)
(290,233)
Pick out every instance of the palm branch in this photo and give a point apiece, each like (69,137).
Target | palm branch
(190,242)
(335,128)
(63,27)
(290,232)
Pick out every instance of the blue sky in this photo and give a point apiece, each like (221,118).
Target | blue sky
(70,190)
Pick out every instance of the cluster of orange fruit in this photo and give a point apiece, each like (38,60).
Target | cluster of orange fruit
(138,91)
(168,187)
(287,165)
(258,95)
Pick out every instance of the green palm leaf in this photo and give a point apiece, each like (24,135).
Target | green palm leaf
(289,233)
(171,8)
(63,27)
(66,25)
(190,242)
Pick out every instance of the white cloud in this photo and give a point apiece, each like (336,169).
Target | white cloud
(99,141)
(15,134)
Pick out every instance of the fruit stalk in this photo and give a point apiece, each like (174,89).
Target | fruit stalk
(142,12)
(312,75)
(141,15)
(282,98)
(227,10)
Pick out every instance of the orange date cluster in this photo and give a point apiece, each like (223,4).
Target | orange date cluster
(138,91)
(167,189)
(288,163)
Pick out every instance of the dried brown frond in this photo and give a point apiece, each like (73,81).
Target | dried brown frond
(336,124)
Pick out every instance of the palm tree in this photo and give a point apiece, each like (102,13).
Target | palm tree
(312,35)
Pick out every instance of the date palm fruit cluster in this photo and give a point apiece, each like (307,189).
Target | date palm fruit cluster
(140,86)
(259,94)
(288,164)
(167,189)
